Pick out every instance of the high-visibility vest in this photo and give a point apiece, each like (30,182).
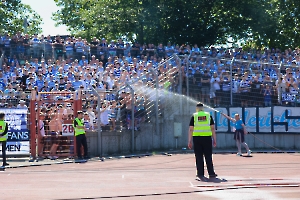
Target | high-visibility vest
(78,131)
(2,129)
(202,124)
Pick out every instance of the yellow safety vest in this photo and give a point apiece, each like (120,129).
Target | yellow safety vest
(202,124)
(78,131)
(2,129)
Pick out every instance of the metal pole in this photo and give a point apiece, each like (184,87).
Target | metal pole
(156,102)
(132,114)
(187,82)
(132,117)
(180,84)
(231,84)
(1,60)
(25,24)
(132,120)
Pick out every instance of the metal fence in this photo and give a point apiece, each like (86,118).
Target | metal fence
(136,101)
(238,82)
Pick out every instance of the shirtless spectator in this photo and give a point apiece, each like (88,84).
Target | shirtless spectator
(128,109)
(68,112)
(54,131)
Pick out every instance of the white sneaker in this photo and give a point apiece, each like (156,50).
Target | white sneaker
(54,157)
(249,152)
(239,154)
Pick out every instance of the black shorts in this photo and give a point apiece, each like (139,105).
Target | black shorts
(238,133)
(54,137)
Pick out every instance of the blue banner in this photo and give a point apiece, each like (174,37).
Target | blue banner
(261,119)
(18,133)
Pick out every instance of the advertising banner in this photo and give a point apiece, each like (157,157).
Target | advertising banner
(220,121)
(18,133)
(250,119)
(264,122)
(289,115)
(285,119)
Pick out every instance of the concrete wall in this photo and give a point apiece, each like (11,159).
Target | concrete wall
(147,140)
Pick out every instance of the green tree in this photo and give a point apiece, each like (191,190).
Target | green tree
(272,23)
(13,14)
(286,19)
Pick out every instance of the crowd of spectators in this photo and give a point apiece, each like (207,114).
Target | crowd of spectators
(257,77)
(62,63)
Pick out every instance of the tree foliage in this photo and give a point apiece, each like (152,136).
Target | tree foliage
(12,15)
(271,23)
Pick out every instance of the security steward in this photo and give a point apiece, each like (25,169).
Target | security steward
(80,135)
(201,133)
(3,137)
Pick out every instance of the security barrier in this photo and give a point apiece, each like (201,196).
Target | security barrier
(52,134)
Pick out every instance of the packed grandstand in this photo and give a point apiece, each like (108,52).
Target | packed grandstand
(216,76)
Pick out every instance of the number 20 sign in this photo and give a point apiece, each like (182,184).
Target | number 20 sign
(67,130)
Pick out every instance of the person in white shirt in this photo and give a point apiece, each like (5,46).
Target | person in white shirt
(281,87)
(104,112)
(41,134)
(91,115)
(22,104)
(215,89)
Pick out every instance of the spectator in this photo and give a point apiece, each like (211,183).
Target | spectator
(205,81)
(61,84)
(83,61)
(48,47)
(120,48)
(91,115)
(26,43)
(112,49)
(104,113)
(9,91)
(160,51)
(22,104)
(255,92)
(41,134)
(6,41)
(244,90)
(35,42)
(225,90)
(281,87)
(87,124)
(268,96)
(215,89)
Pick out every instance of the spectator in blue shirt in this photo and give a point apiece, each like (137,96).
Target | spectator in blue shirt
(239,132)
(39,82)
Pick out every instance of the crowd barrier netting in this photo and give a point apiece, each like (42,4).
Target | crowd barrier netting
(235,82)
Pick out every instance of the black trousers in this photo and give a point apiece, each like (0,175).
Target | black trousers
(81,140)
(4,153)
(203,146)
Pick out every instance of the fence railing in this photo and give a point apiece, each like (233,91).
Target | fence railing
(235,82)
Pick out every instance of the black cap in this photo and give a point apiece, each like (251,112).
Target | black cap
(199,105)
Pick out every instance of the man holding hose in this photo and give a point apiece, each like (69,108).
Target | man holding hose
(203,135)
